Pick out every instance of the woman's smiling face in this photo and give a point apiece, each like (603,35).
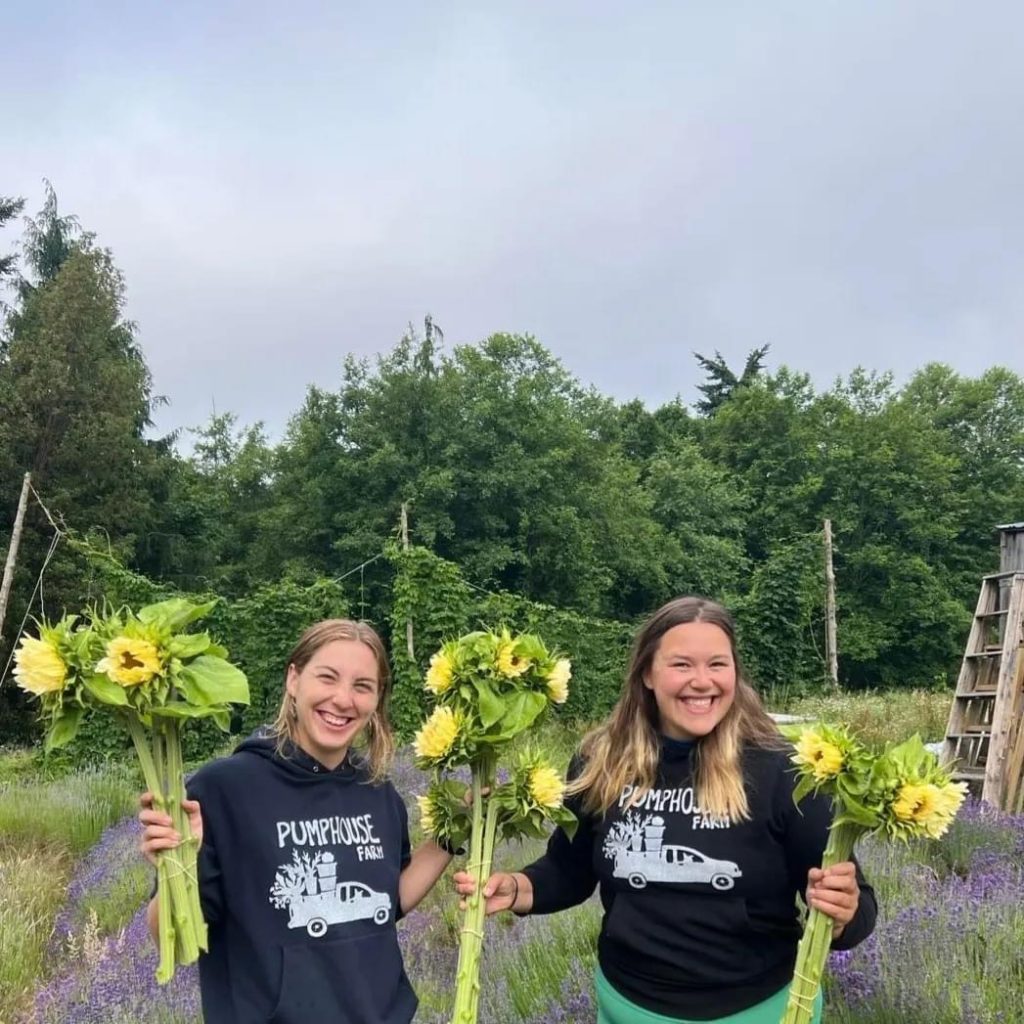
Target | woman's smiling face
(336,693)
(693,679)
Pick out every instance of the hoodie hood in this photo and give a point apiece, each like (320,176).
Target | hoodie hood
(294,761)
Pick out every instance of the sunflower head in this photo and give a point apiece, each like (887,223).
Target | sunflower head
(508,661)
(130,661)
(816,754)
(39,667)
(440,674)
(438,735)
(546,786)
(557,682)
(928,809)
(427,814)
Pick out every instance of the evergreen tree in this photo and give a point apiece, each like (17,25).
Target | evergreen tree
(722,383)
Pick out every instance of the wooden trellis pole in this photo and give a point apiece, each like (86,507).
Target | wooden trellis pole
(831,647)
(405,546)
(12,550)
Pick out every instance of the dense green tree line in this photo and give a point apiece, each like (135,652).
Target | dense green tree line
(526,478)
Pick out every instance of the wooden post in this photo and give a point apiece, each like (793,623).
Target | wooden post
(12,550)
(405,545)
(1011,557)
(1008,720)
(1009,706)
(830,609)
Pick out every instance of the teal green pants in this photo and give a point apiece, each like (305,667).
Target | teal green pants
(614,1008)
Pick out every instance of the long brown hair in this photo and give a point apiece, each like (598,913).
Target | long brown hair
(379,739)
(625,749)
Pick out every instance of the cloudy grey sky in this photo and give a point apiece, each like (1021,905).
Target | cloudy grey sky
(284,183)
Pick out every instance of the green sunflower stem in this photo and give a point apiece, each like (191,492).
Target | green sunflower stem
(812,953)
(182,930)
(481,855)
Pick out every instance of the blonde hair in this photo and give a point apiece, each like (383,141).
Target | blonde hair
(625,749)
(379,740)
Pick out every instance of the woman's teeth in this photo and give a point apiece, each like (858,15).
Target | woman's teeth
(334,720)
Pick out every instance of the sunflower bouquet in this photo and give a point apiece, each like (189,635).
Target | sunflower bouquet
(151,672)
(489,688)
(901,793)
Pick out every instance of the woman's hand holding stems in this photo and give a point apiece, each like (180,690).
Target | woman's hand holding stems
(504,890)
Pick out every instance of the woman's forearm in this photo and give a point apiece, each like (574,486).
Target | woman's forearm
(427,865)
(153,919)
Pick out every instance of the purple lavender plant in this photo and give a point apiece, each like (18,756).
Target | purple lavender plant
(947,948)
(114,980)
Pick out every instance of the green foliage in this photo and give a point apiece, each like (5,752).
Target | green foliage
(432,594)
(722,383)
(261,629)
(527,481)
(779,632)
(76,396)
(510,469)
(9,208)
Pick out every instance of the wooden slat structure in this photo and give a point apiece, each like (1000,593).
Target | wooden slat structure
(985,735)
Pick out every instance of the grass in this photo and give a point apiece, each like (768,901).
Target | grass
(69,813)
(876,716)
(31,891)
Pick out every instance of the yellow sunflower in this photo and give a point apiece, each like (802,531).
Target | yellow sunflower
(546,786)
(823,758)
(558,681)
(38,667)
(130,661)
(931,808)
(510,664)
(427,814)
(438,735)
(440,673)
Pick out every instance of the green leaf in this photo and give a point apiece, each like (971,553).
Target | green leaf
(521,711)
(64,728)
(188,645)
(803,787)
(175,614)
(492,707)
(106,691)
(208,680)
(852,812)
(179,709)
(565,819)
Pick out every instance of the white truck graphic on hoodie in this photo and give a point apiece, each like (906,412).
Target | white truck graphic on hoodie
(635,845)
(308,887)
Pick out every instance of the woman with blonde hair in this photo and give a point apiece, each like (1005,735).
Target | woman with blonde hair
(304,862)
(688,827)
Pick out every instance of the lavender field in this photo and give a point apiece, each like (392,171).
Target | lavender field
(949,948)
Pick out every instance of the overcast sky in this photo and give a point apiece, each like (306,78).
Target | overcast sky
(285,183)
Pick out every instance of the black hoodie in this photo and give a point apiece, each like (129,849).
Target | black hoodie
(298,877)
(700,915)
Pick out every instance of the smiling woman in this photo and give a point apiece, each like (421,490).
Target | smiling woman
(687,825)
(304,864)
